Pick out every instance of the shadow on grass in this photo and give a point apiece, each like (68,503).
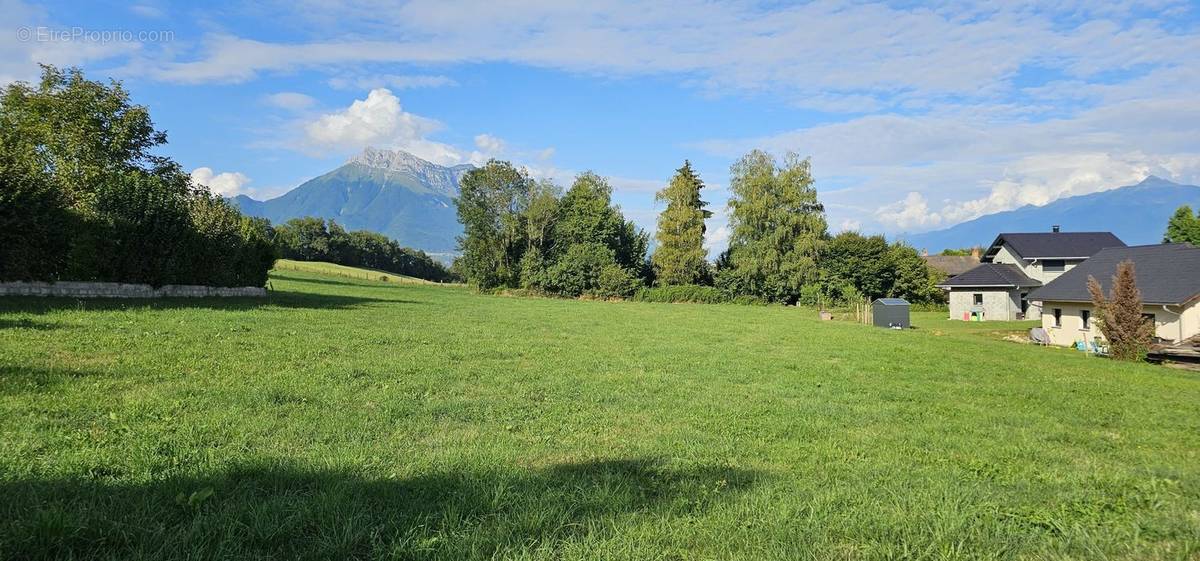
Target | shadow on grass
(284,512)
(27,323)
(275,298)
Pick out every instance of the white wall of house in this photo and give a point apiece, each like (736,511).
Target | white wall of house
(1001,304)
(1173,323)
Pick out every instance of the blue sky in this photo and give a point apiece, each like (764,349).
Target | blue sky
(916,115)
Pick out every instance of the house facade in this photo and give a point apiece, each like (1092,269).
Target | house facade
(1168,277)
(1013,266)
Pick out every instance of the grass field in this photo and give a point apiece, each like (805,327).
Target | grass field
(355,419)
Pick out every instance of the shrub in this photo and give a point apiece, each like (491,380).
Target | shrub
(615,281)
(690,293)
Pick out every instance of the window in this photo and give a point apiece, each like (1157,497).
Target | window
(978,299)
(1057,317)
(1087,319)
(1054,265)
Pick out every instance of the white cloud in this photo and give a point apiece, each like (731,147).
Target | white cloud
(392,81)
(27,40)
(716,238)
(379,121)
(910,213)
(850,225)
(226,184)
(147,11)
(291,101)
(489,144)
(963,163)
(860,57)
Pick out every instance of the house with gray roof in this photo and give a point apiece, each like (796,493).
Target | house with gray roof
(1014,265)
(1168,276)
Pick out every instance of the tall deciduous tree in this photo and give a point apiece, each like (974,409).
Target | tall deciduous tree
(778,228)
(491,207)
(1183,227)
(680,257)
(863,262)
(590,237)
(1120,316)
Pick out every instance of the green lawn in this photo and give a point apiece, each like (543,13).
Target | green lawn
(355,419)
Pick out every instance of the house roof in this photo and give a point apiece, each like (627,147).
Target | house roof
(1166,274)
(993,275)
(1053,245)
(951,264)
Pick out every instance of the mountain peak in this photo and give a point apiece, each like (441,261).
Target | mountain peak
(441,179)
(390,159)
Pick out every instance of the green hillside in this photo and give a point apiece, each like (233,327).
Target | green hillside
(347,419)
(322,268)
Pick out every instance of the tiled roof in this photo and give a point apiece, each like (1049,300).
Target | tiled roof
(993,275)
(1054,245)
(951,264)
(1166,274)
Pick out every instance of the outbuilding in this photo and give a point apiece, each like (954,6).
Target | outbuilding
(891,312)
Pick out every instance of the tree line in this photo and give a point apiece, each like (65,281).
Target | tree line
(83,197)
(519,232)
(315,239)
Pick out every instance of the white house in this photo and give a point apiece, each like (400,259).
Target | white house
(1014,265)
(1168,277)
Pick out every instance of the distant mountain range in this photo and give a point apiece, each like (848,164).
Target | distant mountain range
(1137,214)
(390,192)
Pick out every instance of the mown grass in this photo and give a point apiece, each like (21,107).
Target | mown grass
(351,419)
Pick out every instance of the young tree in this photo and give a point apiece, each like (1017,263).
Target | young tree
(1183,227)
(491,207)
(1120,316)
(680,257)
(778,228)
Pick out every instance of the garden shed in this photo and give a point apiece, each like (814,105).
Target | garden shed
(890,312)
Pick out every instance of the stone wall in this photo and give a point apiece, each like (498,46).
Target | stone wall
(123,290)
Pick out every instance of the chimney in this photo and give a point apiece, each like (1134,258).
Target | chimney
(975,253)
(1056,228)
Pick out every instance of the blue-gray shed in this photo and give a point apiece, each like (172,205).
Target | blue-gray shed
(890,312)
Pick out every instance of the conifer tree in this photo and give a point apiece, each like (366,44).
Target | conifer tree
(1184,227)
(680,257)
(1120,315)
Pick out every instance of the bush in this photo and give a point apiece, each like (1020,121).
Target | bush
(578,270)
(615,281)
(690,293)
(83,198)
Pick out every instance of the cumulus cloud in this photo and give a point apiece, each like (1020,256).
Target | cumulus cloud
(226,184)
(380,121)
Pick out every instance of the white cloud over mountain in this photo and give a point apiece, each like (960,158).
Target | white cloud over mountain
(226,184)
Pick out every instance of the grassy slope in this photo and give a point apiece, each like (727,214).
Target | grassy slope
(347,418)
(323,268)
